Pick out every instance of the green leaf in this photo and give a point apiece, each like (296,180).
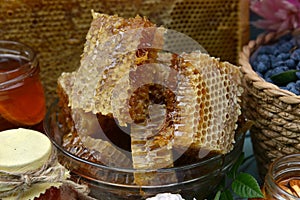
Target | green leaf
(234,170)
(217,197)
(285,77)
(246,186)
(226,195)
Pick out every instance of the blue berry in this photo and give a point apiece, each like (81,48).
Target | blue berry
(292,88)
(268,74)
(286,47)
(290,63)
(266,49)
(279,70)
(278,60)
(297,66)
(262,58)
(279,64)
(298,75)
(290,85)
(261,63)
(272,57)
(261,68)
(283,56)
(275,50)
(297,85)
(273,60)
(296,55)
(253,64)
(295,91)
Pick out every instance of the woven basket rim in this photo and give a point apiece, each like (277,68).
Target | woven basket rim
(258,82)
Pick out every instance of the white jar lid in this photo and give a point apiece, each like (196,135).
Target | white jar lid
(22,150)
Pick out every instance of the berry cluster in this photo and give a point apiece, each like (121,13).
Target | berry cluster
(277,58)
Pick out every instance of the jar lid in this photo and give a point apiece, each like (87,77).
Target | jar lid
(22,150)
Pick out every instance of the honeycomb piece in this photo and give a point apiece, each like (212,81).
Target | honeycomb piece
(95,149)
(188,115)
(83,126)
(64,88)
(108,45)
(116,78)
(219,92)
(151,134)
(109,154)
(204,111)
(73,144)
(66,82)
(151,145)
(92,148)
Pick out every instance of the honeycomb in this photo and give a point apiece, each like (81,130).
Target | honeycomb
(167,101)
(56,29)
(105,38)
(83,139)
(218,97)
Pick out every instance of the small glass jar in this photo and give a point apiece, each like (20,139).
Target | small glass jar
(33,171)
(22,100)
(283,179)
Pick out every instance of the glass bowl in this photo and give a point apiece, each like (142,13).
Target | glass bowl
(199,180)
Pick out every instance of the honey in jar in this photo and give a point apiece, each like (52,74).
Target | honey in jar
(22,100)
(283,179)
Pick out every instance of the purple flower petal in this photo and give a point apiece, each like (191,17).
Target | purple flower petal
(277,14)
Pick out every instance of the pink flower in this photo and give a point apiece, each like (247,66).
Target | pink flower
(277,15)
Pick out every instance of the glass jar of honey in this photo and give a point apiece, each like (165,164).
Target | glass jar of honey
(22,100)
(283,179)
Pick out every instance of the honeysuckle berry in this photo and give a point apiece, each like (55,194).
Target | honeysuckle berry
(268,74)
(286,47)
(296,55)
(298,75)
(290,63)
(279,70)
(261,68)
(266,49)
(297,85)
(263,58)
(282,57)
(271,60)
(292,87)
(279,64)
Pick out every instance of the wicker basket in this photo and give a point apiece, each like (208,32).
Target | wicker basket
(57,28)
(276,112)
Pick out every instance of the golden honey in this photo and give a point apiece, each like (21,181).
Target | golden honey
(283,179)
(22,101)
